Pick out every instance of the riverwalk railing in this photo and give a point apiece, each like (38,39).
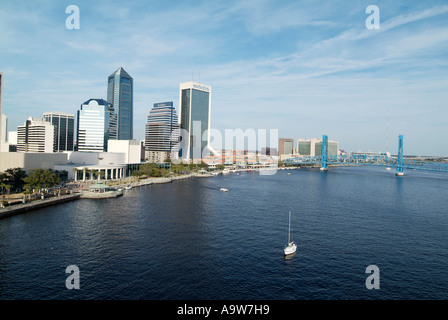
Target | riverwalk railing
(36,204)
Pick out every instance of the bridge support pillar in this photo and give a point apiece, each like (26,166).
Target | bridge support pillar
(400,156)
(324,154)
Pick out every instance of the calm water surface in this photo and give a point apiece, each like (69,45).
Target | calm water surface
(188,240)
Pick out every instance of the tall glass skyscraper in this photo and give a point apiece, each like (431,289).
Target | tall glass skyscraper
(161,134)
(195,108)
(64,130)
(95,123)
(120,95)
(1,90)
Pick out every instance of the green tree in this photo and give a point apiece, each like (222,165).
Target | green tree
(203,165)
(28,191)
(5,189)
(148,169)
(42,178)
(13,177)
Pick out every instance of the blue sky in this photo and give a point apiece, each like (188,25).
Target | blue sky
(306,68)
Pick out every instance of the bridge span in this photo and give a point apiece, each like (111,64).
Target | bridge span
(398,162)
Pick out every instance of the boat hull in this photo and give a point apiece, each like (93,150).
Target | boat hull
(290,249)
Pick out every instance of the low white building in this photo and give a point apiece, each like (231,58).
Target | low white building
(92,165)
(93,157)
(131,149)
(31,160)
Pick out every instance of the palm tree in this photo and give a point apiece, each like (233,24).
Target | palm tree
(92,173)
(75,170)
(8,187)
(28,191)
(2,187)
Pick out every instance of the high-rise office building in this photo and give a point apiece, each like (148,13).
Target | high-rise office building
(64,129)
(120,95)
(36,135)
(313,147)
(285,146)
(195,109)
(95,125)
(3,128)
(1,95)
(161,134)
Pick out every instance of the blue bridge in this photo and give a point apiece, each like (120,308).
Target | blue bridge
(398,162)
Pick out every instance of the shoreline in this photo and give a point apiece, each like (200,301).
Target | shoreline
(36,204)
(16,209)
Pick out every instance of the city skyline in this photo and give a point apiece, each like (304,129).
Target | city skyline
(305,69)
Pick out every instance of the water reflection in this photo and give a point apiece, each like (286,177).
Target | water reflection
(290,256)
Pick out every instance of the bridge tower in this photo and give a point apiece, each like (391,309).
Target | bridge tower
(400,156)
(324,155)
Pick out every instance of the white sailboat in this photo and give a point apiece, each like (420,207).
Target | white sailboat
(291,247)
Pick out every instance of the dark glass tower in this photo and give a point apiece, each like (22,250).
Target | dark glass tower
(120,95)
(195,107)
(1,86)
(64,130)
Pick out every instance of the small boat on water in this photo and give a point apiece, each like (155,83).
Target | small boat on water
(291,247)
(128,187)
(224,190)
(100,190)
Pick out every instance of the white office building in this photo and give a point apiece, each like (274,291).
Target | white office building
(96,124)
(36,135)
(161,134)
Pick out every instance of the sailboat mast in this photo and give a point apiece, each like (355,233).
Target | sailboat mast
(289,228)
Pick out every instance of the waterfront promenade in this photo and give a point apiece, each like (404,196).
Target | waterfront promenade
(36,204)
(76,189)
(14,209)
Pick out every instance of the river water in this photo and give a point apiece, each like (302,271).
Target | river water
(187,240)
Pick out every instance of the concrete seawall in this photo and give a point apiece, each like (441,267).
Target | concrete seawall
(37,204)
